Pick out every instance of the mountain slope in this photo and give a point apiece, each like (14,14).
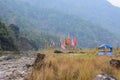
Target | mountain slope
(33,20)
(100,11)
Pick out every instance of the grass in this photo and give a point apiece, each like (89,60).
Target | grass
(84,67)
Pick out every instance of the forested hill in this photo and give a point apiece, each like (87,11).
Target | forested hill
(100,11)
(41,23)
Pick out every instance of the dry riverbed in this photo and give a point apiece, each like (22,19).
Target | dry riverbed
(12,68)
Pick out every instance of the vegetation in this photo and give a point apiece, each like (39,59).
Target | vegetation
(97,11)
(7,39)
(40,24)
(15,30)
(66,67)
(40,39)
(12,39)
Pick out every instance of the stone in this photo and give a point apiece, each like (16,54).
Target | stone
(71,52)
(104,76)
(2,74)
(58,51)
(39,61)
(39,58)
(15,69)
(115,63)
(7,57)
(29,65)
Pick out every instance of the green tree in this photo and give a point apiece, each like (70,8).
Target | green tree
(7,39)
(15,30)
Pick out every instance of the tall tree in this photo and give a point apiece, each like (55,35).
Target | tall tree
(7,39)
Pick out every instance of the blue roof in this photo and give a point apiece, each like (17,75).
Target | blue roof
(101,46)
(108,46)
(105,46)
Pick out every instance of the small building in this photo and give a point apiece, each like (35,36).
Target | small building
(105,49)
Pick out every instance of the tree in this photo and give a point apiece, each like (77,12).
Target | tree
(7,39)
(15,30)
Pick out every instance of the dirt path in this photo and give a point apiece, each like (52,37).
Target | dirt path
(15,69)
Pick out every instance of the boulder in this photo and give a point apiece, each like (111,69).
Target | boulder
(39,57)
(71,52)
(115,63)
(58,51)
(7,57)
(104,76)
(29,65)
(39,61)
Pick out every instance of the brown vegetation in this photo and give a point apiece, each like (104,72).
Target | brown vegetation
(74,67)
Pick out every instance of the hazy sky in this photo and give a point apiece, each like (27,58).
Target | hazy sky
(115,2)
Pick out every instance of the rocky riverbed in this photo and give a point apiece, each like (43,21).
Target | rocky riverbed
(15,68)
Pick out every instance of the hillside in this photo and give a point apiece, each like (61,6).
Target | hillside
(100,11)
(12,40)
(40,23)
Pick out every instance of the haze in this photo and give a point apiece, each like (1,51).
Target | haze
(115,2)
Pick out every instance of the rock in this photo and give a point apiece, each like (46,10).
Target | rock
(39,58)
(39,61)
(29,65)
(57,51)
(2,74)
(7,57)
(18,73)
(104,76)
(71,52)
(115,63)
(15,69)
(2,58)
(28,53)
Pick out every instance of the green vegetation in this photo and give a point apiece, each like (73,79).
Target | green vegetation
(43,24)
(7,40)
(15,30)
(12,39)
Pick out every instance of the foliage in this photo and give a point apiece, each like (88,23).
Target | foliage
(84,66)
(7,39)
(15,30)
(73,68)
(42,24)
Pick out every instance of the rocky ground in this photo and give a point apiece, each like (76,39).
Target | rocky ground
(12,68)
(15,67)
